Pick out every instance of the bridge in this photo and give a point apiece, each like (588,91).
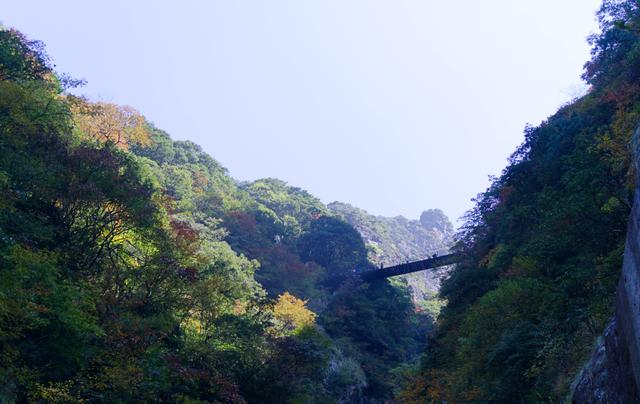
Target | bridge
(409,267)
(395,270)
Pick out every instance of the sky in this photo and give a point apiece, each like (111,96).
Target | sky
(395,106)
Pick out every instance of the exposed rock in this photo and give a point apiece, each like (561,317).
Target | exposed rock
(613,373)
(607,377)
(436,219)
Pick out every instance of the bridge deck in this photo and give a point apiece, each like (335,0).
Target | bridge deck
(395,270)
(409,267)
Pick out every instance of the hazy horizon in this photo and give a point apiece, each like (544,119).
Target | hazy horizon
(391,107)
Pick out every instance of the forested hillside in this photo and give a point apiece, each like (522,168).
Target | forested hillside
(543,246)
(133,268)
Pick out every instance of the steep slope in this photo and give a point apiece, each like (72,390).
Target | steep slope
(544,244)
(133,268)
(612,374)
(297,243)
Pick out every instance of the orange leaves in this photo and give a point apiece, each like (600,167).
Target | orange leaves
(103,122)
(200,181)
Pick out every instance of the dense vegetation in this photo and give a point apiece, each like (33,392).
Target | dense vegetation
(543,245)
(134,269)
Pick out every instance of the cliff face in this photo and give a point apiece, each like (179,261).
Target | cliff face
(612,375)
(607,377)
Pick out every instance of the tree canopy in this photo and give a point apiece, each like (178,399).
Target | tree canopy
(134,268)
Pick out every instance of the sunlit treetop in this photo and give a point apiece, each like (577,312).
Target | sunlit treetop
(103,122)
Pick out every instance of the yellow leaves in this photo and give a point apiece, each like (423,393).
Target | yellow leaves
(103,122)
(291,313)
(54,392)
(193,326)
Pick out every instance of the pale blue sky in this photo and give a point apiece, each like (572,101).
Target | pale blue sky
(395,106)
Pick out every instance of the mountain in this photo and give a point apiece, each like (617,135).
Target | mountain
(133,268)
(395,240)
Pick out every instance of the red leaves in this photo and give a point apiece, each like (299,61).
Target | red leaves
(183,232)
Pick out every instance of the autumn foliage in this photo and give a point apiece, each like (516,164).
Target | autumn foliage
(291,313)
(103,122)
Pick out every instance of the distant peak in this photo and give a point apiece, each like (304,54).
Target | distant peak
(436,219)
